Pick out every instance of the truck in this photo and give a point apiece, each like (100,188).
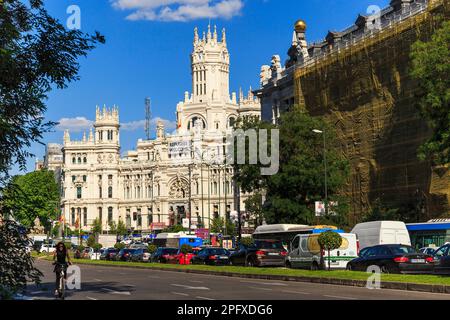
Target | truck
(381,232)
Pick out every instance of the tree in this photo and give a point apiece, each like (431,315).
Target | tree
(37,53)
(112,227)
(292,192)
(121,229)
(329,241)
(34,195)
(119,246)
(152,248)
(174,229)
(253,205)
(247,241)
(431,68)
(16,264)
(97,228)
(217,225)
(91,241)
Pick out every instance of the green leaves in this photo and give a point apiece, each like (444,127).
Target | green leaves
(34,195)
(36,53)
(431,67)
(16,264)
(292,192)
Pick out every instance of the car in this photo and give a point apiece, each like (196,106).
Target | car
(164,255)
(140,255)
(441,257)
(185,259)
(212,256)
(391,258)
(109,254)
(125,254)
(51,247)
(428,250)
(87,253)
(261,253)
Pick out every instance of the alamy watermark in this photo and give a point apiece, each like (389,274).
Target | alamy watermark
(73,281)
(238,147)
(374,280)
(74,20)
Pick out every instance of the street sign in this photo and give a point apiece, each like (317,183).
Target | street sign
(320,208)
(186,223)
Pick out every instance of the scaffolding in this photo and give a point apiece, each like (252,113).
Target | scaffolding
(364,90)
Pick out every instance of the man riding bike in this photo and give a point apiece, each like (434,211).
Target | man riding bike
(62,260)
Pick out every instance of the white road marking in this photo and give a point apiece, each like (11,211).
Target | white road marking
(196,281)
(263,289)
(91,298)
(125,293)
(129,285)
(267,283)
(295,292)
(98,280)
(180,294)
(37,292)
(203,298)
(339,297)
(189,287)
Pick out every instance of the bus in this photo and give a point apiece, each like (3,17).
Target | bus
(286,232)
(176,240)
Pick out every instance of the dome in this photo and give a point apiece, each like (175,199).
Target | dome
(300,26)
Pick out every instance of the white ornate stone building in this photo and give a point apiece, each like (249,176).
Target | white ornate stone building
(149,188)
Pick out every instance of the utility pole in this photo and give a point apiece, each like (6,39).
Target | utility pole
(237,201)
(190,197)
(148,117)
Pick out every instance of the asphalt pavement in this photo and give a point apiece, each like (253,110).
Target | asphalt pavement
(111,283)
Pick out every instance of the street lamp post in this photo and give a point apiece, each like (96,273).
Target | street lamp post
(322,132)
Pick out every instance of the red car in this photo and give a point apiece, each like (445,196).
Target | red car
(185,259)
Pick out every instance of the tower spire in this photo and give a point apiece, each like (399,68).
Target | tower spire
(224,36)
(209,33)
(195,35)
(215,33)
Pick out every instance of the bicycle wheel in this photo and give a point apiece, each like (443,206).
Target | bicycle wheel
(62,286)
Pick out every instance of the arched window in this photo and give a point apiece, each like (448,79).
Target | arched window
(231,122)
(110,192)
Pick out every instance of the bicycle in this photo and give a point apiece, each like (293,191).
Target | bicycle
(61,289)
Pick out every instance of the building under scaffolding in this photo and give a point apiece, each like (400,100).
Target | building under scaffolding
(358,79)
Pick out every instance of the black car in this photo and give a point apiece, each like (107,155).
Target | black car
(140,255)
(164,255)
(125,254)
(212,256)
(392,258)
(109,254)
(442,259)
(261,253)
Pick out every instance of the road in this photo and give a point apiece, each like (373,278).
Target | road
(109,283)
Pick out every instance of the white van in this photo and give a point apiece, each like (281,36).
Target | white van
(381,232)
(305,252)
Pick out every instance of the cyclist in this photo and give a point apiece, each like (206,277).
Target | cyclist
(61,259)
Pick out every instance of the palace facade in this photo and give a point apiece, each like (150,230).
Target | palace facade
(173,177)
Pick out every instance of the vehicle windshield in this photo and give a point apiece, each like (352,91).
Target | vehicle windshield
(269,245)
(402,249)
(217,252)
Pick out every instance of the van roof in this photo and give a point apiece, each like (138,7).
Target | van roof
(270,228)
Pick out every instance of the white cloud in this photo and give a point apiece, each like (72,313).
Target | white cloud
(78,124)
(179,10)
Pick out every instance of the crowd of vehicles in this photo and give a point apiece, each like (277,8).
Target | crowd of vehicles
(382,244)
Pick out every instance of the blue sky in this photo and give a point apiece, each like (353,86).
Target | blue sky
(147,49)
